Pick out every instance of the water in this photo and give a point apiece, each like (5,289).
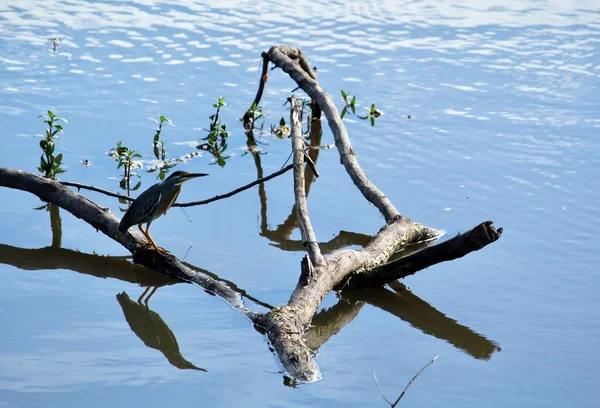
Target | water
(503,99)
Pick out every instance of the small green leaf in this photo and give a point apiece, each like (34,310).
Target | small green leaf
(353,101)
(44,163)
(41,207)
(344,112)
(372,120)
(139,183)
(58,159)
(344,95)
(123,184)
(60,170)
(50,114)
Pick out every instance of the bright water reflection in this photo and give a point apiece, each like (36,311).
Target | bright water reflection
(503,99)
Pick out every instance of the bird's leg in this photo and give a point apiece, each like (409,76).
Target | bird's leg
(158,249)
(143,294)
(150,295)
(144,232)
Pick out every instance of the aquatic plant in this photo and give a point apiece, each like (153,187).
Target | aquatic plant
(51,165)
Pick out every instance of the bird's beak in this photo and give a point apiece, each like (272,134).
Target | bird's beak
(194,175)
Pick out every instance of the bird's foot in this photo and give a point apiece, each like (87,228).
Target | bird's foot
(162,251)
(152,245)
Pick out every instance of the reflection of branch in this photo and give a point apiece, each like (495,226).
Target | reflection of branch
(279,237)
(229,283)
(423,316)
(343,240)
(153,331)
(329,322)
(55,225)
(95,265)
(264,76)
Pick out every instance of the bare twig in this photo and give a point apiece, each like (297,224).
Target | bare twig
(407,385)
(264,77)
(413,379)
(189,204)
(311,164)
(237,190)
(306,229)
(80,186)
(379,387)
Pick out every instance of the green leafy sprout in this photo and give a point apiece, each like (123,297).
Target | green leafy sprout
(216,139)
(51,165)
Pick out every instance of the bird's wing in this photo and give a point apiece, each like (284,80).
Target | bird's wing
(143,208)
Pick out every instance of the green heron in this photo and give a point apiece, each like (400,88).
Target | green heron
(155,202)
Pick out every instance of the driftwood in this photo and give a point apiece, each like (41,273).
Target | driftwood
(287,326)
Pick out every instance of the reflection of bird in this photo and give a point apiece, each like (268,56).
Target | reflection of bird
(153,331)
(154,202)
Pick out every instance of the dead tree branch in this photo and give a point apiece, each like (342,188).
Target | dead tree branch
(457,247)
(298,147)
(285,326)
(292,62)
